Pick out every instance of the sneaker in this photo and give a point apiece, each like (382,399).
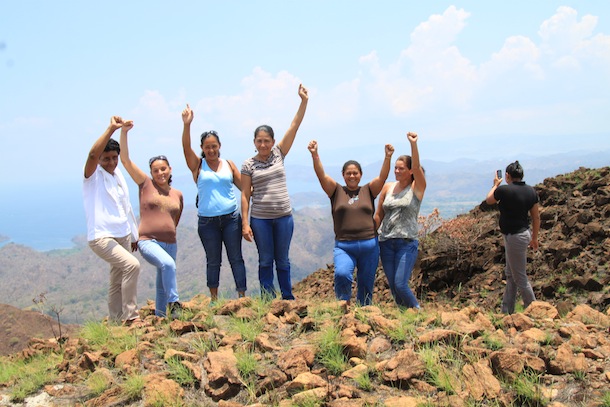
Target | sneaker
(175,310)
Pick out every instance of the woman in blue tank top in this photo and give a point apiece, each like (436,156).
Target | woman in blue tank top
(219,217)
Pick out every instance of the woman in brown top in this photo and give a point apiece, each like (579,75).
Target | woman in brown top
(353,207)
(160,210)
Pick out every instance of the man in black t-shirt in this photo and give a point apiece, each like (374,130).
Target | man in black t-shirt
(516,201)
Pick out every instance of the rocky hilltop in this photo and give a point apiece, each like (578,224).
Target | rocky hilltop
(457,351)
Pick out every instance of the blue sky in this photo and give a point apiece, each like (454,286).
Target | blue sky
(475,79)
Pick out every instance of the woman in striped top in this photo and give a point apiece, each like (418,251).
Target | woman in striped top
(270,223)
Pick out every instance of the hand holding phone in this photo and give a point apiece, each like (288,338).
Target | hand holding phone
(499,174)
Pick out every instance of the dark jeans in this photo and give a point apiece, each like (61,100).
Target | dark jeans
(213,232)
(272,237)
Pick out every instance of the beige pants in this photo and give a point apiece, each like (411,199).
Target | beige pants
(124,272)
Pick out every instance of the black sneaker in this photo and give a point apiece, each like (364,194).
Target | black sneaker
(175,310)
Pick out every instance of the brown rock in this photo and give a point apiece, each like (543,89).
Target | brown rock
(566,362)
(403,367)
(264,343)
(319,393)
(480,381)
(541,310)
(127,359)
(588,316)
(519,321)
(271,379)
(354,346)
(159,390)
(401,401)
(305,381)
(172,353)
(379,345)
(224,381)
(439,335)
(233,306)
(297,360)
(507,363)
(356,371)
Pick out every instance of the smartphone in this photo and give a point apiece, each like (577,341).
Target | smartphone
(499,174)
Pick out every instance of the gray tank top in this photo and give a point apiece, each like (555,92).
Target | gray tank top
(400,215)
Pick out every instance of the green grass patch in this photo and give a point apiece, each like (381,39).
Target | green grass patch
(330,351)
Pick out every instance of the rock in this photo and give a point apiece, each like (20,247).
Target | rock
(297,360)
(541,310)
(159,390)
(480,381)
(405,366)
(305,381)
(224,381)
(566,361)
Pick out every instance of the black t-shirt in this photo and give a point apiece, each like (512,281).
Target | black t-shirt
(515,201)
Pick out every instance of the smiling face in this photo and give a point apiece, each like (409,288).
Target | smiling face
(263,143)
(211,148)
(352,176)
(109,161)
(160,172)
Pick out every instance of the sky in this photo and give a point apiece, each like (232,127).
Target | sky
(474,79)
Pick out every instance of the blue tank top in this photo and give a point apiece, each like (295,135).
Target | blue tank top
(216,195)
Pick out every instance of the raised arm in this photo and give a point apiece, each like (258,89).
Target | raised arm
(326,182)
(286,142)
(192,159)
(377,183)
(246,193)
(100,144)
(535,215)
(491,199)
(418,173)
(136,173)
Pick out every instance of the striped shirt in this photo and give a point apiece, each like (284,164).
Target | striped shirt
(270,198)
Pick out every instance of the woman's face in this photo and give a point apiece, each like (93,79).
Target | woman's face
(263,143)
(160,172)
(211,148)
(401,171)
(352,176)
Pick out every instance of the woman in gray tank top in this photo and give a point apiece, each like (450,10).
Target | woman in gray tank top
(397,213)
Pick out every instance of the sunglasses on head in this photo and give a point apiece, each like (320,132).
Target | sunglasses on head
(158,157)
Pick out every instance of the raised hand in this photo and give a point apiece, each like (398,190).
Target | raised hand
(127,125)
(116,122)
(389,150)
(313,147)
(303,92)
(412,136)
(187,115)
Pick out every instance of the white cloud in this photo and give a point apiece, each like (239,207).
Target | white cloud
(429,73)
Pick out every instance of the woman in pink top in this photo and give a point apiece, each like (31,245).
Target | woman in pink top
(160,210)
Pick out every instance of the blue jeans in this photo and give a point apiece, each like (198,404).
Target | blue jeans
(272,237)
(163,256)
(398,258)
(213,232)
(360,254)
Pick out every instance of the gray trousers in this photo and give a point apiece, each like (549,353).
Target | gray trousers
(124,272)
(516,277)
